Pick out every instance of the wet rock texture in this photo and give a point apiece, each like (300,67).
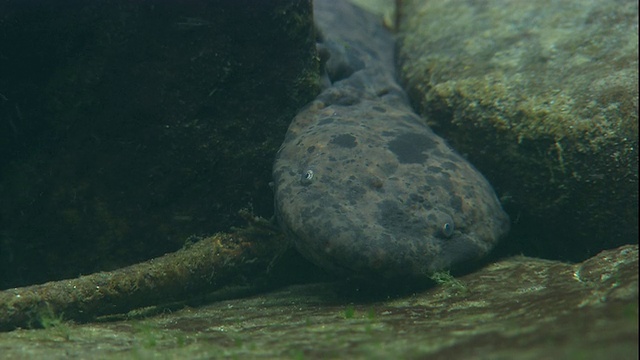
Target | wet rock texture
(542,96)
(518,308)
(126,127)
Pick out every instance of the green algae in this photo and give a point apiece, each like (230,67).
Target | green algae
(446,280)
(542,99)
(520,308)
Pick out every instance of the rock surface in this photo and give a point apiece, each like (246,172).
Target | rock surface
(126,127)
(517,308)
(542,96)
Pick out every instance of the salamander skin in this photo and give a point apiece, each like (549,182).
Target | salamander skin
(363,187)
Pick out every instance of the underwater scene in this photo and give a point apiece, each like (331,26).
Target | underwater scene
(319,179)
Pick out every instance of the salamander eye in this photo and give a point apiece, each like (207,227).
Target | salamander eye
(443,225)
(307,177)
(447,229)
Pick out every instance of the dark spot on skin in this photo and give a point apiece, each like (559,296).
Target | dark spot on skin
(376,183)
(410,148)
(449,165)
(355,193)
(345,140)
(311,197)
(383,92)
(446,185)
(348,100)
(416,198)
(390,214)
(425,188)
(456,203)
(379,109)
(325,121)
(388,168)
(395,218)
(311,149)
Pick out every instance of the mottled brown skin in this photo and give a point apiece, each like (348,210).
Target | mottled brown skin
(362,186)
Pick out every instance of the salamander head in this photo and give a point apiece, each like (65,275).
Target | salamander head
(376,203)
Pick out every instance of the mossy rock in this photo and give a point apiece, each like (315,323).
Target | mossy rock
(129,126)
(543,98)
(516,308)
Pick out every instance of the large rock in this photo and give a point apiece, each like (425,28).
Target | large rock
(127,126)
(542,96)
(518,308)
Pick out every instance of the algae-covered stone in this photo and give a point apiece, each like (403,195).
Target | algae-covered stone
(543,98)
(518,308)
(127,126)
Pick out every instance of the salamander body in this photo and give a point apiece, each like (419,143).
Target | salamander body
(363,187)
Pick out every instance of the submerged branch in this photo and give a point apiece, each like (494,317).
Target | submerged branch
(200,268)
